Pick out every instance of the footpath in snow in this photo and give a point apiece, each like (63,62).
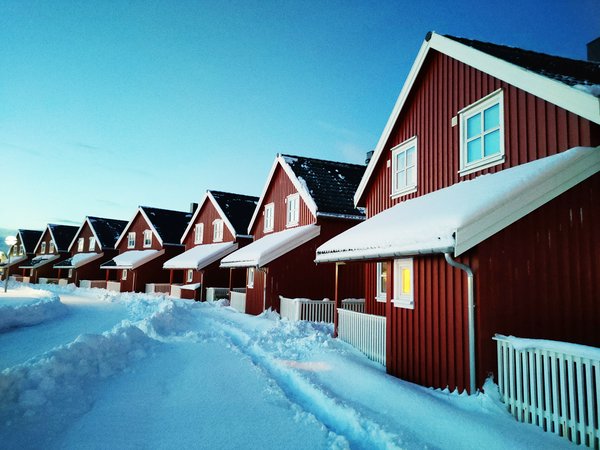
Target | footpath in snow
(175,374)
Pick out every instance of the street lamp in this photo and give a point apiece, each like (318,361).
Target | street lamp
(10,241)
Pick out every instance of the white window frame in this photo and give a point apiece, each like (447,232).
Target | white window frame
(92,244)
(131,239)
(70,273)
(147,238)
(269,217)
(496,97)
(51,247)
(43,249)
(250,283)
(124,274)
(80,244)
(292,215)
(218,230)
(190,275)
(404,300)
(398,191)
(198,233)
(380,296)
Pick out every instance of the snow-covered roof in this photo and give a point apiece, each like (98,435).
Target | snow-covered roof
(132,259)
(460,216)
(551,78)
(264,250)
(200,256)
(61,235)
(39,261)
(105,231)
(13,260)
(78,260)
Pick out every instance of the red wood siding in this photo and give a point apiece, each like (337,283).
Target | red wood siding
(277,192)
(139,225)
(207,215)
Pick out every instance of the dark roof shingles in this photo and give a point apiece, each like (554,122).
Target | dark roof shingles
(237,208)
(170,225)
(30,239)
(107,230)
(63,236)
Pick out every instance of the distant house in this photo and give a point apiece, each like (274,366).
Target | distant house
(52,245)
(93,245)
(22,252)
(482,200)
(304,203)
(219,226)
(150,238)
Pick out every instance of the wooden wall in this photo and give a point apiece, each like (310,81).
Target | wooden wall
(208,213)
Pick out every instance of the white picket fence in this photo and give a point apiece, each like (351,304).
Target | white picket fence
(295,309)
(216,293)
(158,288)
(365,332)
(237,300)
(556,390)
(113,286)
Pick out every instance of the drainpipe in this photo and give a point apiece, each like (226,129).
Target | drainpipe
(264,270)
(471,318)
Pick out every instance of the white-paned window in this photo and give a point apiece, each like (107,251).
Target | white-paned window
(70,274)
(269,217)
(217,230)
(403,283)
(251,277)
(92,244)
(124,274)
(131,239)
(293,210)
(80,244)
(381,282)
(43,249)
(482,134)
(190,275)
(404,167)
(198,233)
(51,248)
(147,238)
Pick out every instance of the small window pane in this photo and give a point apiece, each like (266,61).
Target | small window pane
(406,281)
(401,162)
(474,150)
(474,126)
(383,279)
(491,117)
(401,179)
(410,157)
(491,144)
(410,175)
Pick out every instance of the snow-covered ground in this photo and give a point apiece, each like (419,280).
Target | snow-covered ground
(138,371)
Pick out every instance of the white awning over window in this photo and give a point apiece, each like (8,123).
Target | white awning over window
(132,259)
(200,256)
(271,246)
(460,216)
(78,260)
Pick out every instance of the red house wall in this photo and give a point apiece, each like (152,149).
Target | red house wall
(90,271)
(208,213)
(139,225)
(47,270)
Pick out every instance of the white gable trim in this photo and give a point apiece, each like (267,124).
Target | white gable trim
(77,235)
(194,217)
(555,92)
(211,197)
(141,211)
(221,213)
(40,239)
(312,206)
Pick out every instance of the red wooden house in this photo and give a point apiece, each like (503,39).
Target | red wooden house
(219,226)
(93,245)
(482,204)
(304,203)
(22,252)
(149,239)
(52,245)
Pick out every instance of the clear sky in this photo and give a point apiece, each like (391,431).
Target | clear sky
(107,105)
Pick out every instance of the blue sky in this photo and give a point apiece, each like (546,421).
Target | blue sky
(108,105)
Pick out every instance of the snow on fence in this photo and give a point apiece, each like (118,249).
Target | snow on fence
(295,309)
(158,288)
(237,300)
(101,284)
(113,286)
(366,332)
(215,293)
(176,290)
(19,278)
(552,384)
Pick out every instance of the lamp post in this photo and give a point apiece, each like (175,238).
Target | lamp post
(10,241)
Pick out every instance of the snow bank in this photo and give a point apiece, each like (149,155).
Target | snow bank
(582,351)
(25,306)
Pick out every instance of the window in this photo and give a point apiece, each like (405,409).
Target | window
(251,277)
(131,240)
(124,274)
(92,244)
(198,233)
(80,243)
(293,210)
(21,249)
(381,282)
(43,249)
(190,275)
(403,283)
(482,134)
(51,247)
(404,167)
(269,217)
(217,230)
(70,274)
(147,238)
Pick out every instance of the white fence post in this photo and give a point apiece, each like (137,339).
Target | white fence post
(366,332)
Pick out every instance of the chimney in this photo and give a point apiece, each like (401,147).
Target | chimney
(369,156)
(593,50)
(193,207)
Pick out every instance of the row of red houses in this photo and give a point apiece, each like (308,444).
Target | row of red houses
(478,213)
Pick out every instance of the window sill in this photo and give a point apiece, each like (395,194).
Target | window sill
(481,165)
(292,224)
(403,303)
(270,230)
(404,192)
(381,299)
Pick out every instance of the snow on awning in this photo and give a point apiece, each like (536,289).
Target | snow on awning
(39,261)
(264,250)
(200,256)
(132,259)
(13,261)
(459,217)
(78,260)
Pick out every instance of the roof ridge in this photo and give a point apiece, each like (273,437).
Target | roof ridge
(163,209)
(323,160)
(212,191)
